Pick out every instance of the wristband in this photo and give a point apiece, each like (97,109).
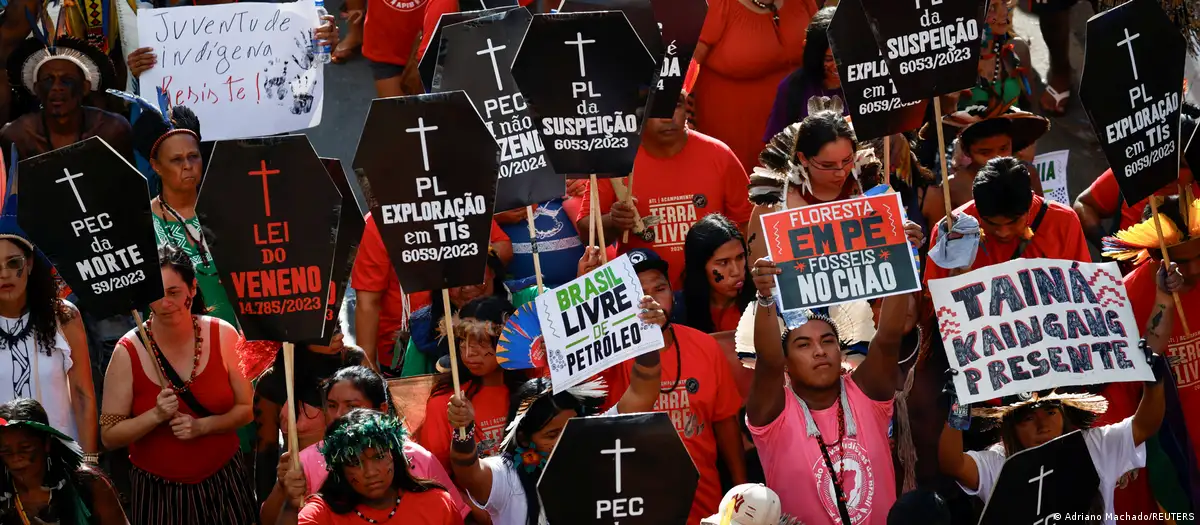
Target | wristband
(765,301)
(91,458)
(463,440)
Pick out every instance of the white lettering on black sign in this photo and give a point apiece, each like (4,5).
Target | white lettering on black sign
(109,262)
(1148,116)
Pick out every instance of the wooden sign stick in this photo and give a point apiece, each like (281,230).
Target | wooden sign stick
(137,317)
(599,227)
(448,318)
(624,193)
(289,371)
(533,247)
(937,123)
(594,214)
(628,198)
(1162,245)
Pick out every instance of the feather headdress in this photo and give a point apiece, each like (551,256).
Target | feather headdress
(34,53)
(369,429)
(591,390)
(1085,402)
(158,121)
(1139,242)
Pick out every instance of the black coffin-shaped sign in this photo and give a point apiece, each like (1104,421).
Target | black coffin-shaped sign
(88,210)
(681,22)
(876,108)
(931,46)
(1049,481)
(273,212)
(427,68)
(350,231)
(583,75)
(477,58)
(641,16)
(432,166)
(1132,89)
(610,469)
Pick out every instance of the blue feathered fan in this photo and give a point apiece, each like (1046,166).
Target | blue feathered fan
(521,344)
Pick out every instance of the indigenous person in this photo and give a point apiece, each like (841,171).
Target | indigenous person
(1004,71)
(817,77)
(350,388)
(45,477)
(809,430)
(811,162)
(194,415)
(314,364)
(170,140)
(1115,449)
(505,486)
(986,132)
(697,390)
(59,75)
(1054,19)
(45,350)
(682,176)
(1015,222)
(477,328)
(746,48)
(749,504)
(714,291)
(558,243)
(370,480)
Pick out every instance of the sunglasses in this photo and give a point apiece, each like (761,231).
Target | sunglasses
(14,263)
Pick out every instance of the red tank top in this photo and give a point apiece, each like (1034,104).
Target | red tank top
(160,452)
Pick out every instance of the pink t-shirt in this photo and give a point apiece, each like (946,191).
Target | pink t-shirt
(793,461)
(423,465)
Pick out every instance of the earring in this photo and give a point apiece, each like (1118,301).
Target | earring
(530,458)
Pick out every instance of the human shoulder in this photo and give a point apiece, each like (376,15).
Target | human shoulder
(107,120)
(315,512)
(695,340)
(1058,211)
(709,144)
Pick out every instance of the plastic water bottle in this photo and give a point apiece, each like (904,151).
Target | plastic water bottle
(321,54)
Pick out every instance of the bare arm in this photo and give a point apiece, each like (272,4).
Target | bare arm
(83,391)
(241,414)
(1091,216)
(105,504)
(729,444)
(876,375)
(366,324)
(118,400)
(1160,326)
(954,462)
(645,379)
(14,30)
(266,448)
(470,474)
(766,399)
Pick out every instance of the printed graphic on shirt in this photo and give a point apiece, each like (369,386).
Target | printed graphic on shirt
(677,404)
(490,435)
(549,224)
(1184,355)
(404,6)
(857,481)
(676,215)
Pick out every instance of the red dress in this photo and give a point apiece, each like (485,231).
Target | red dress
(748,55)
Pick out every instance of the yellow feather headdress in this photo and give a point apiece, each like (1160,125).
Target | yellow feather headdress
(1137,242)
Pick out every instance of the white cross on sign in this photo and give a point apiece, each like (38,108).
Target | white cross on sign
(70,179)
(580,42)
(1039,479)
(491,51)
(616,451)
(1129,42)
(422,128)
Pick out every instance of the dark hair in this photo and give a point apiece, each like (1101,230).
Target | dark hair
(437,307)
(703,239)
(1073,419)
(544,408)
(984,129)
(364,379)
(62,465)
(1002,188)
(1169,208)
(174,258)
(816,43)
(919,507)
(489,309)
(337,492)
(150,127)
(808,136)
(47,311)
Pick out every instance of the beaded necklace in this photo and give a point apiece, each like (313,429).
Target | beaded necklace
(395,507)
(159,358)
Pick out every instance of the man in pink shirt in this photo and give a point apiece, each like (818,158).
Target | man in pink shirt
(823,437)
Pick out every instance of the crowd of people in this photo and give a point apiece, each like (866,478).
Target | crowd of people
(839,416)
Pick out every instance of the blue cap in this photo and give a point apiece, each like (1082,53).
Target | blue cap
(9,229)
(645,260)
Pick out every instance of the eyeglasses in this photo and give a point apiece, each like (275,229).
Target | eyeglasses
(13,263)
(849,163)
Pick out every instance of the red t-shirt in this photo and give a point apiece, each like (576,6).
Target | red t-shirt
(491,415)
(1134,496)
(1107,194)
(725,319)
(390,29)
(373,272)
(703,178)
(432,507)
(1060,236)
(705,394)
(433,12)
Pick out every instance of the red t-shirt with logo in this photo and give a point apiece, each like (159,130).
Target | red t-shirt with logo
(373,272)
(390,29)
(703,178)
(433,12)
(491,416)
(705,394)
(1107,194)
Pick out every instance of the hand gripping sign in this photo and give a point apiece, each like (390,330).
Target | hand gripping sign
(88,210)
(431,166)
(638,472)
(1045,484)
(476,58)
(1132,87)
(273,212)
(585,76)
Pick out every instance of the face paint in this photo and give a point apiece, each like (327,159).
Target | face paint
(717,277)
(21,271)
(187,304)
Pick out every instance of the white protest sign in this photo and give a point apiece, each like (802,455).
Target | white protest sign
(591,324)
(246,69)
(1034,324)
(1052,169)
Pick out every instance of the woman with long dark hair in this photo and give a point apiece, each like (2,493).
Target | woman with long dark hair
(45,479)
(714,278)
(817,77)
(181,433)
(43,339)
(489,387)
(369,478)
